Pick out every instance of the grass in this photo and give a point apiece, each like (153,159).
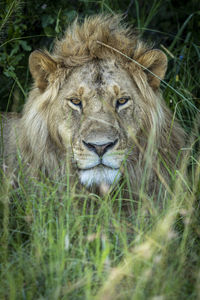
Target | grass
(59,245)
(66,245)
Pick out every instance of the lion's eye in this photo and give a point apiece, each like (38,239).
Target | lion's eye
(122,101)
(76,101)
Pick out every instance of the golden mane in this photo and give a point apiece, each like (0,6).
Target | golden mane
(102,38)
(79,44)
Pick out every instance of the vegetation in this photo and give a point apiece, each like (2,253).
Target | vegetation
(57,245)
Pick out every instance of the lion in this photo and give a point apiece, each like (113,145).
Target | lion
(96,103)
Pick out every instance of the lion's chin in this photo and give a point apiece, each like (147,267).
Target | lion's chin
(99,176)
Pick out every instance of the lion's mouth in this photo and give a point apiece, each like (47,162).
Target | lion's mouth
(98,175)
(99,166)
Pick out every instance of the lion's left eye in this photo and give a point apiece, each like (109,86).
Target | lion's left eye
(75,101)
(122,101)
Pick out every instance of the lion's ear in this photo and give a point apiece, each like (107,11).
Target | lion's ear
(156,62)
(41,65)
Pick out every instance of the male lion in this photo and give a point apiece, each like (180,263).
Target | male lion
(96,103)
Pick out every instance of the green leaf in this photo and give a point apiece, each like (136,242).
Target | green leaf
(15,49)
(47,20)
(24,45)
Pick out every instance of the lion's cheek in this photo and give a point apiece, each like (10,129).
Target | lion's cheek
(65,134)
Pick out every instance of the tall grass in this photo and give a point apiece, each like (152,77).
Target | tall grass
(60,243)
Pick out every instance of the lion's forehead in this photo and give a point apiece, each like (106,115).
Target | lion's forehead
(100,78)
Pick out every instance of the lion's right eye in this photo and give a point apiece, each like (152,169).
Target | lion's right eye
(122,101)
(76,101)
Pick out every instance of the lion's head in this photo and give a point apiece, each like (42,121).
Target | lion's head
(95,101)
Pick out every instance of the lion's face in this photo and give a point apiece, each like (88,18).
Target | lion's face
(98,104)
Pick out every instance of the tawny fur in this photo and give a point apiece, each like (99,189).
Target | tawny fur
(44,139)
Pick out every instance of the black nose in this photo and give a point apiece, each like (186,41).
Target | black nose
(100,149)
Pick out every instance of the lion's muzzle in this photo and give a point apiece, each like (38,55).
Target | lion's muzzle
(100,163)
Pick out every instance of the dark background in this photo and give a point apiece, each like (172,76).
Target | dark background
(174,26)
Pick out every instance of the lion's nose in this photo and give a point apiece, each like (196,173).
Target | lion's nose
(100,149)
